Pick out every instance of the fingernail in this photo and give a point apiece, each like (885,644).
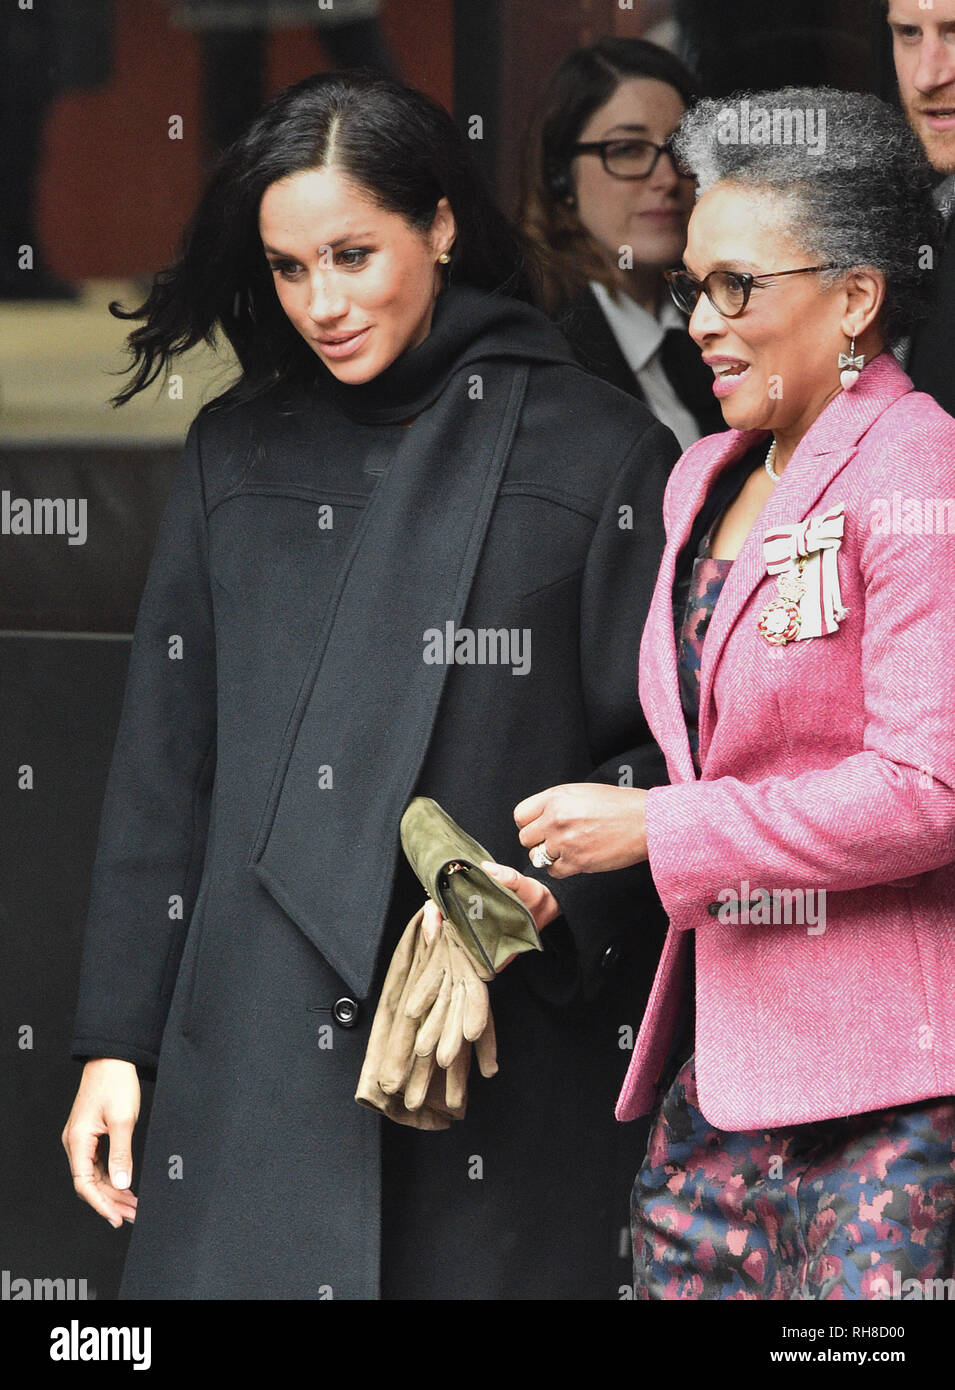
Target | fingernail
(121,1180)
(492,869)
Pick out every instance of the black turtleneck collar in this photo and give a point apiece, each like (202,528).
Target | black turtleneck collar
(468,325)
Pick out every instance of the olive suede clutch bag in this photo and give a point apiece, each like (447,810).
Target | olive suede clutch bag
(491,920)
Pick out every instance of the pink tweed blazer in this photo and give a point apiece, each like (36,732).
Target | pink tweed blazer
(827,764)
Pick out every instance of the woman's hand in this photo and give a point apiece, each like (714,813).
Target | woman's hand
(106,1104)
(586,827)
(536,897)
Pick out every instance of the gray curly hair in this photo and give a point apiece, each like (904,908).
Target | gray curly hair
(852,181)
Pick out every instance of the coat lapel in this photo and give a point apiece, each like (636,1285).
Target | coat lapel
(824,450)
(368,702)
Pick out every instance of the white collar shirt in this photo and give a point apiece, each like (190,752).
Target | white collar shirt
(639,336)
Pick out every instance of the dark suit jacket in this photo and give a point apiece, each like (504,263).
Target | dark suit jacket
(585,326)
(931,361)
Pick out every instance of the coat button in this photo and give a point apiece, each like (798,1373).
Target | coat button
(713,908)
(610,958)
(345,1012)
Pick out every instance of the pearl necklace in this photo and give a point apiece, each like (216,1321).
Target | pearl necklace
(769,461)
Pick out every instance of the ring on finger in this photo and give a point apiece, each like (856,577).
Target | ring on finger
(540,858)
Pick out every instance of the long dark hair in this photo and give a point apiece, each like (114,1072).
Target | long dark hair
(585,81)
(402,150)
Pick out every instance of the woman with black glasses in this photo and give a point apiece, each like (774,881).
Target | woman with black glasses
(606,205)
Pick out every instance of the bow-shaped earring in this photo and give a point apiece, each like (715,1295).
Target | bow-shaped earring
(850,366)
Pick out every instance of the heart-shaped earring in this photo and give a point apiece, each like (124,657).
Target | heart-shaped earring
(851,366)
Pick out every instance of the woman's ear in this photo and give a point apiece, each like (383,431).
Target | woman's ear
(865,295)
(443,228)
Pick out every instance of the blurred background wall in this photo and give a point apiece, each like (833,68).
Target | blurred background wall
(113,186)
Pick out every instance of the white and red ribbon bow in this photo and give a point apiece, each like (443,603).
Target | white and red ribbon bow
(816,541)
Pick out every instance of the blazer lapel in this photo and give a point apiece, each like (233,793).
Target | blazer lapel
(823,451)
(659,679)
(659,682)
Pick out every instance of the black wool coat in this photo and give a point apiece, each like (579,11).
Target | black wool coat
(248,886)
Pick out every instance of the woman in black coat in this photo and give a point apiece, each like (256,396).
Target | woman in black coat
(409,551)
(606,207)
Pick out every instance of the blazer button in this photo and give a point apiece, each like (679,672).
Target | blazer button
(345,1012)
(713,909)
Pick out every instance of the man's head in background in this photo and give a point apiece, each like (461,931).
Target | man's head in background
(923,47)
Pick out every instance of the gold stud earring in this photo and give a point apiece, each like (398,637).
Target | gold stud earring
(444,258)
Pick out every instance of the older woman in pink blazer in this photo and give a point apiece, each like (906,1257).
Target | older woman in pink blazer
(798,670)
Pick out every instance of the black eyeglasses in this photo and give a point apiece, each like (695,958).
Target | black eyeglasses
(727,290)
(632,159)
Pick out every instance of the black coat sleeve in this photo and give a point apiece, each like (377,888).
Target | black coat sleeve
(614,919)
(155,814)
